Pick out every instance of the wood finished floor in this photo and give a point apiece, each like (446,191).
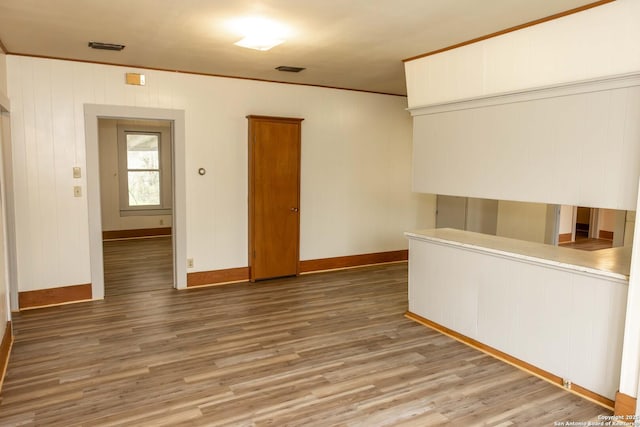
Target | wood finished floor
(137,265)
(587,244)
(330,349)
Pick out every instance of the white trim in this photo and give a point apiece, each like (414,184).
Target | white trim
(165,150)
(554,91)
(10,221)
(92,113)
(8,210)
(540,254)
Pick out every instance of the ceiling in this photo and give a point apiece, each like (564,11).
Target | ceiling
(354,44)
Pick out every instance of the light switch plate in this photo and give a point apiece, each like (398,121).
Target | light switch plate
(77,173)
(77,191)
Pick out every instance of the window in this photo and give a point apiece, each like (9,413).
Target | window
(144,170)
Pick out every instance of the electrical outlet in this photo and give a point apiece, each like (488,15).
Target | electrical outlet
(189,262)
(566,383)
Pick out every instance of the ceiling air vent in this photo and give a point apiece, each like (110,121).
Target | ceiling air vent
(105,46)
(289,69)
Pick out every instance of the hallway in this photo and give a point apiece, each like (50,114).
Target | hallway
(137,265)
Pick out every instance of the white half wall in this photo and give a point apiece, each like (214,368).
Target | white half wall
(356,152)
(598,42)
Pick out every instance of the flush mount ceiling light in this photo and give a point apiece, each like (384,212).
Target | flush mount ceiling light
(106,46)
(259,33)
(258,43)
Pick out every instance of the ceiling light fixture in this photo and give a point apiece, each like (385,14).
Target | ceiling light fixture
(106,46)
(258,43)
(259,33)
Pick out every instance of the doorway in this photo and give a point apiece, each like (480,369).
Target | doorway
(274,197)
(584,222)
(92,114)
(136,193)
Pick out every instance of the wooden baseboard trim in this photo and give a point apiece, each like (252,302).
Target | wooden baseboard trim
(336,263)
(54,296)
(521,364)
(217,277)
(5,352)
(625,405)
(241,274)
(140,232)
(564,238)
(604,234)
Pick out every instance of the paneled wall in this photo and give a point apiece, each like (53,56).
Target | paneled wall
(356,148)
(556,317)
(598,42)
(576,145)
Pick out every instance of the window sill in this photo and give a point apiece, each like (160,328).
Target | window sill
(144,212)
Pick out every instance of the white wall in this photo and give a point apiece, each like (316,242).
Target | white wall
(598,42)
(109,184)
(607,220)
(566,220)
(523,221)
(546,146)
(482,215)
(356,148)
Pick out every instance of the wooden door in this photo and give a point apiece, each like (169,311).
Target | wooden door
(274,196)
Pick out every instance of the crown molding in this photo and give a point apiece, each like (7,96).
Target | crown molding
(552,91)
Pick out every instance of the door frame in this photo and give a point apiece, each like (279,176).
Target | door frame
(94,112)
(8,203)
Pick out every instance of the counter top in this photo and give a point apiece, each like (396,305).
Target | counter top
(614,262)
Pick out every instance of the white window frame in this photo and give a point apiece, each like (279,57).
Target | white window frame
(164,167)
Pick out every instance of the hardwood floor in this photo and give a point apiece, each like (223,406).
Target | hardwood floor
(587,244)
(137,265)
(330,349)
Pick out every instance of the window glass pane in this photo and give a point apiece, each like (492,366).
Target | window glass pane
(144,188)
(142,151)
